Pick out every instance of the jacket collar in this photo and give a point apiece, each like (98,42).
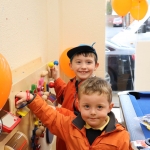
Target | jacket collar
(76,82)
(79,122)
(72,79)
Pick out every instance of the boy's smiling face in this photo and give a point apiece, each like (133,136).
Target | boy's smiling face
(94,109)
(83,66)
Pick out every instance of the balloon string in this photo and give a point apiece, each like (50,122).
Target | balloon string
(138,10)
(138,15)
(122,22)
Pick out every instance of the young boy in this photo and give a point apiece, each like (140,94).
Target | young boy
(94,128)
(83,61)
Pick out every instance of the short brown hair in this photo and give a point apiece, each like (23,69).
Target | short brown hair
(95,85)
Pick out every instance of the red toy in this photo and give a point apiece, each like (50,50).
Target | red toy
(51,84)
(9,121)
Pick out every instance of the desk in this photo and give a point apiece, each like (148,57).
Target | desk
(135,104)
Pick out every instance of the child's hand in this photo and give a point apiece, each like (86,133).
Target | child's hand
(54,72)
(22,96)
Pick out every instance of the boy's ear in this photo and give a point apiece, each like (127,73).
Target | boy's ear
(111,106)
(70,65)
(96,66)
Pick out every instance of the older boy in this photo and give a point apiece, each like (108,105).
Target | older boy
(83,61)
(94,128)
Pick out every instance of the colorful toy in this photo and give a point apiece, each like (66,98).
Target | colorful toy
(44,73)
(52,97)
(51,64)
(56,62)
(9,121)
(51,84)
(36,134)
(40,84)
(21,109)
(33,89)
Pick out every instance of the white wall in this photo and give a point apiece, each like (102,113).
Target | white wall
(30,29)
(142,66)
(23,30)
(34,28)
(54,30)
(83,22)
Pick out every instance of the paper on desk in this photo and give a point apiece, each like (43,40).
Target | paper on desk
(140,145)
(145,120)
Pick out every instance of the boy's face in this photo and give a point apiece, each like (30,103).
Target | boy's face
(94,109)
(83,66)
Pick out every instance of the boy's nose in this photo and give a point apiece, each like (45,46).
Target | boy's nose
(93,111)
(83,65)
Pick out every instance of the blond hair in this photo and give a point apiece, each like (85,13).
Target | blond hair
(95,85)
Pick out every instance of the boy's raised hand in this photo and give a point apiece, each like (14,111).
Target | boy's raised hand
(53,72)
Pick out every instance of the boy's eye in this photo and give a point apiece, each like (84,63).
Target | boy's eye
(86,106)
(78,62)
(89,62)
(100,107)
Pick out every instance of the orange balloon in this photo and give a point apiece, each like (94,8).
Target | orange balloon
(139,9)
(139,0)
(5,81)
(121,7)
(64,64)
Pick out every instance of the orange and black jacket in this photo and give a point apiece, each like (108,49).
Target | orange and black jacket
(71,129)
(66,94)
